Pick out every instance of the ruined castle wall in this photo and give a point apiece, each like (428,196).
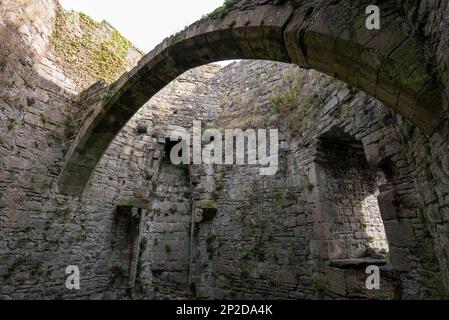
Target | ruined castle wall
(261,242)
(270,237)
(43,231)
(315,222)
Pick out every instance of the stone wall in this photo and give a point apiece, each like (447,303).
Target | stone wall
(387,141)
(214,231)
(42,231)
(275,223)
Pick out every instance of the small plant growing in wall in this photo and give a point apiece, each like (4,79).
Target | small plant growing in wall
(13,268)
(224,8)
(36,268)
(208,204)
(143,245)
(113,244)
(156,211)
(118,273)
(209,208)
(286,100)
(230,276)
(219,12)
(105,96)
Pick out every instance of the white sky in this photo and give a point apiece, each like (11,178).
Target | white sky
(145,22)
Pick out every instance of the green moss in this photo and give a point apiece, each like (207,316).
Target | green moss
(118,273)
(84,55)
(44,118)
(230,276)
(106,95)
(36,268)
(285,100)
(143,246)
(127,202)
(109,58)
(139,287)
(114,244)
(210,245)
(208,204)
(13,268)
(167,249)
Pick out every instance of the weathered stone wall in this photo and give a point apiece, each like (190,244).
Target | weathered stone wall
(218,231)
(350,187)
(42,231)
(81,51)
(333,105)
(273,222)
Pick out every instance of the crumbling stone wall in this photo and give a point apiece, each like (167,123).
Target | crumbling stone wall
(43,231)
(281,226)
(350,189)
(361,118)
(274,222)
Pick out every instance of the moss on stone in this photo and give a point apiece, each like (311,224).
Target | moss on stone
(167,249)
(219,12)
(208,204)
(109,58)
(127,202)
(83,54)
(118,273)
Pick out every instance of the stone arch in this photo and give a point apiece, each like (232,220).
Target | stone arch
(389,64)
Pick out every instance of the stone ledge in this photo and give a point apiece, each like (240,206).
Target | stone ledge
(358,262)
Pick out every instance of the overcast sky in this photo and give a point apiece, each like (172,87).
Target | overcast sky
(145,22)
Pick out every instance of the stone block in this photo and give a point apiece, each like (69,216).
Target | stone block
(387,203)
(399,233)
(399,258)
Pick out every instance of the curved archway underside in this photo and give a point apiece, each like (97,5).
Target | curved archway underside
(389,64)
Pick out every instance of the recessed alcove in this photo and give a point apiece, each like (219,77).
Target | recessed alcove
(349,187)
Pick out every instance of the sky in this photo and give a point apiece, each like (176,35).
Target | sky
(145,22)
